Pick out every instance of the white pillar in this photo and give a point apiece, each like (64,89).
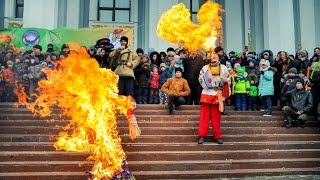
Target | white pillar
(40,14)
(247,30)
(156,9)
(307,26)
(73,13)
(93,11)
(234,35)
(278,25)
(9,9)
(256,24)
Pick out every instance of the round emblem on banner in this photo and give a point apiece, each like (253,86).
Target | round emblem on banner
(31,38)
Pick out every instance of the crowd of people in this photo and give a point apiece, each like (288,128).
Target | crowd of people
(264,79)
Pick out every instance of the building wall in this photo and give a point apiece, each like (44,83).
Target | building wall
(2,5)
(262,24)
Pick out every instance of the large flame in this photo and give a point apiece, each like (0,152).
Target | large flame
(175,26)
(89,96)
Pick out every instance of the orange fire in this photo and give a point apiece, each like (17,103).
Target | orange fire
(89,96)
(175,26)
(5,38)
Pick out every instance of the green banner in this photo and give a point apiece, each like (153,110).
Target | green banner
(28,37)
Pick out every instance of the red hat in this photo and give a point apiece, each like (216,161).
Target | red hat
(117,31)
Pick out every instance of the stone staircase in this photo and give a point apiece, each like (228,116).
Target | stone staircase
(253,146)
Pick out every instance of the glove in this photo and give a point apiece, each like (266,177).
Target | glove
(262,72)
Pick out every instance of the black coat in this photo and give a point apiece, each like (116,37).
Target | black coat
(301,100)
(104,61)
(192,67)
(142,77)
(298,64)
(281,71)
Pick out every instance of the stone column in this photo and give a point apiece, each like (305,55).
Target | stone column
(154,11)
(278,24)
(73,13)
(256,25)
(234,26)
(40,14)
(307,25)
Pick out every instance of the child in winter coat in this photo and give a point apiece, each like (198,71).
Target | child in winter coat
(142,78)
(266,87)
(288,83)
(154,85)
(252,68)
(177,62)
(164,75)
(253,93)
(242,88)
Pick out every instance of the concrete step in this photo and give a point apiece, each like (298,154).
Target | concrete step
(172,138)
(145,112)
(220,174)
(139,106)
(43,175)
(274,173)
(167,130)
(146,117)
(164,155)
(124,123)
(76,166)
(190,146)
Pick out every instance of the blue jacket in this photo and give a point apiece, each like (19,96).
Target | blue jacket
(266,83)
(172,68)
(164,75)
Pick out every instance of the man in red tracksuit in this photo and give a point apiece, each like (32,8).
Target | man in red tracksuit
(214,79)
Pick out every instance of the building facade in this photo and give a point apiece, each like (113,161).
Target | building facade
(260,24)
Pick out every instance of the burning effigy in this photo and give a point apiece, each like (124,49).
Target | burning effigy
(88,95)
(176,26)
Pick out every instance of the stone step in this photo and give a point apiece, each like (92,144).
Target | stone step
(76,166)
(139,106)
(221,174)
(124,123)
(172,138)
(164,155)
(167,130)
(43,175)
(274,173)
(146,112)
(250,174)
(157,118)
(190,146)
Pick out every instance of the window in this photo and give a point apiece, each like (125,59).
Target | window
(19,8)
(193,6)
(114,10)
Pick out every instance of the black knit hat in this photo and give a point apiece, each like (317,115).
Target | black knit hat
(139,50)
(300,81)
(178,69)
(303,71)
(124,38)
(37,46)
(170,49)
